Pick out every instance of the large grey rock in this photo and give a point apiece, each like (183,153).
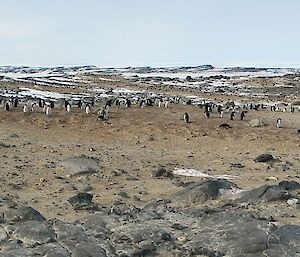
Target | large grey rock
(69,231)
(33,233)
(23,214)
(140,239)
(264,194)
(20,252)
(99,224)
(87,249)
(284,242)
(230,233)
(53,250)
(80,165)
(69,235)
(201,192)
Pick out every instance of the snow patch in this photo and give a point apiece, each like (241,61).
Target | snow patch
(198,173)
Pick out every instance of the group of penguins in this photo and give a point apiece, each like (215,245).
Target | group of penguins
(103,112)
(48,106)
(220,111)
(14,103)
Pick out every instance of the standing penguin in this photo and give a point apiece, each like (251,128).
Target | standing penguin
(232,115)
(7,106)
(16,102)
(32,107)
(166,104)
(160,103)
(25,108)
(186,117)
(207,113)
(41,103)
(68,107)
(48,110)
(243,115)
(221,114)
(278,123)
(219,109)
(87,109)
(79,104)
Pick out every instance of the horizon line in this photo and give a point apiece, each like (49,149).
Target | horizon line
(214,65)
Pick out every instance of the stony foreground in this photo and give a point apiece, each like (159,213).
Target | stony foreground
(73,186)
(161,227)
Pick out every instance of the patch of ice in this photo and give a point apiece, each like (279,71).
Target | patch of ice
(198,173)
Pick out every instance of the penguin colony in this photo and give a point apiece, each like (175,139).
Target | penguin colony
(229,108)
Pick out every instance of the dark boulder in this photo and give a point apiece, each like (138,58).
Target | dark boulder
(264,158)
(81,200)
(22,214)
(289,185)
(33,233)
(284,242)
(264,194)
(203,191)
(230,233)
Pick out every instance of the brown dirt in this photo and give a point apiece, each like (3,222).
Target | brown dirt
(138,141)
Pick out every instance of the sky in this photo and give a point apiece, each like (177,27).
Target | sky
(122,33)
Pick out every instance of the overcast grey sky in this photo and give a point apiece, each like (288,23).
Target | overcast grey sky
(150,32)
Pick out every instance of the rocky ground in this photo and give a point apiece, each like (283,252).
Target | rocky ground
(75,186)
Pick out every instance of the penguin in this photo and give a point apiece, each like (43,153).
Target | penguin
(219,109)
(32,107)
(51,104)
(160,103)
(16,102)
(44,108)
(102,115)
(186,117)
(225,126)
(48,110)
(79,104)
(128,103)
(25,108)
(68,107)
(207,113)
(41,103)
(143,104)
(243,115)
(221,114)
(278,123)
(166,104)
(7,107)
(87,109)
(232,115)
